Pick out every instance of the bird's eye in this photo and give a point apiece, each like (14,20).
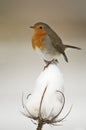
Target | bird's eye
(40,27)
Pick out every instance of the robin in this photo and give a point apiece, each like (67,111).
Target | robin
(48,43)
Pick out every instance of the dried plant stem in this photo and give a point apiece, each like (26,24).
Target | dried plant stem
(40,125)
(40,120)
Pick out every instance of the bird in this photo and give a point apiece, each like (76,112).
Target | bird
(47,42)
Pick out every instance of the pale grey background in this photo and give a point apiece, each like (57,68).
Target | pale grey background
(20,66)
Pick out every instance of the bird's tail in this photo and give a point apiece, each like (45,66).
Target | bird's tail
(69,46)
(74,47)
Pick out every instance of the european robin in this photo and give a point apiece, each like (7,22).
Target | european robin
(48,43)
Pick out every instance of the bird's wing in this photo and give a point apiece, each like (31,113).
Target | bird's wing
(57,44)
(56,41)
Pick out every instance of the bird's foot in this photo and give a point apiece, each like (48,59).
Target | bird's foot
(53,61)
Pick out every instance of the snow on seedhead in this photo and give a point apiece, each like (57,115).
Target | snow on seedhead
(51,78)
(47,101)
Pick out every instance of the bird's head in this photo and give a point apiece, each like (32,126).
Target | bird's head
(40,28)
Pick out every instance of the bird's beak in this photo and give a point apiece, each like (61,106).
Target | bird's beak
(31,26)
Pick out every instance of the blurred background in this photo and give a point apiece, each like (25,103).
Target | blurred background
(20,65)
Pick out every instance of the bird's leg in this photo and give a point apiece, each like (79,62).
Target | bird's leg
(49,62)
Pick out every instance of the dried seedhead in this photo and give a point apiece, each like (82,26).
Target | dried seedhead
(40,121)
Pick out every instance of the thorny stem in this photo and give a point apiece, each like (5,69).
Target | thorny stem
(40,125)
(41,103)
(40,120)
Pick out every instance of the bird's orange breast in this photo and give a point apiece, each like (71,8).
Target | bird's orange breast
(37,41)
(38,38)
